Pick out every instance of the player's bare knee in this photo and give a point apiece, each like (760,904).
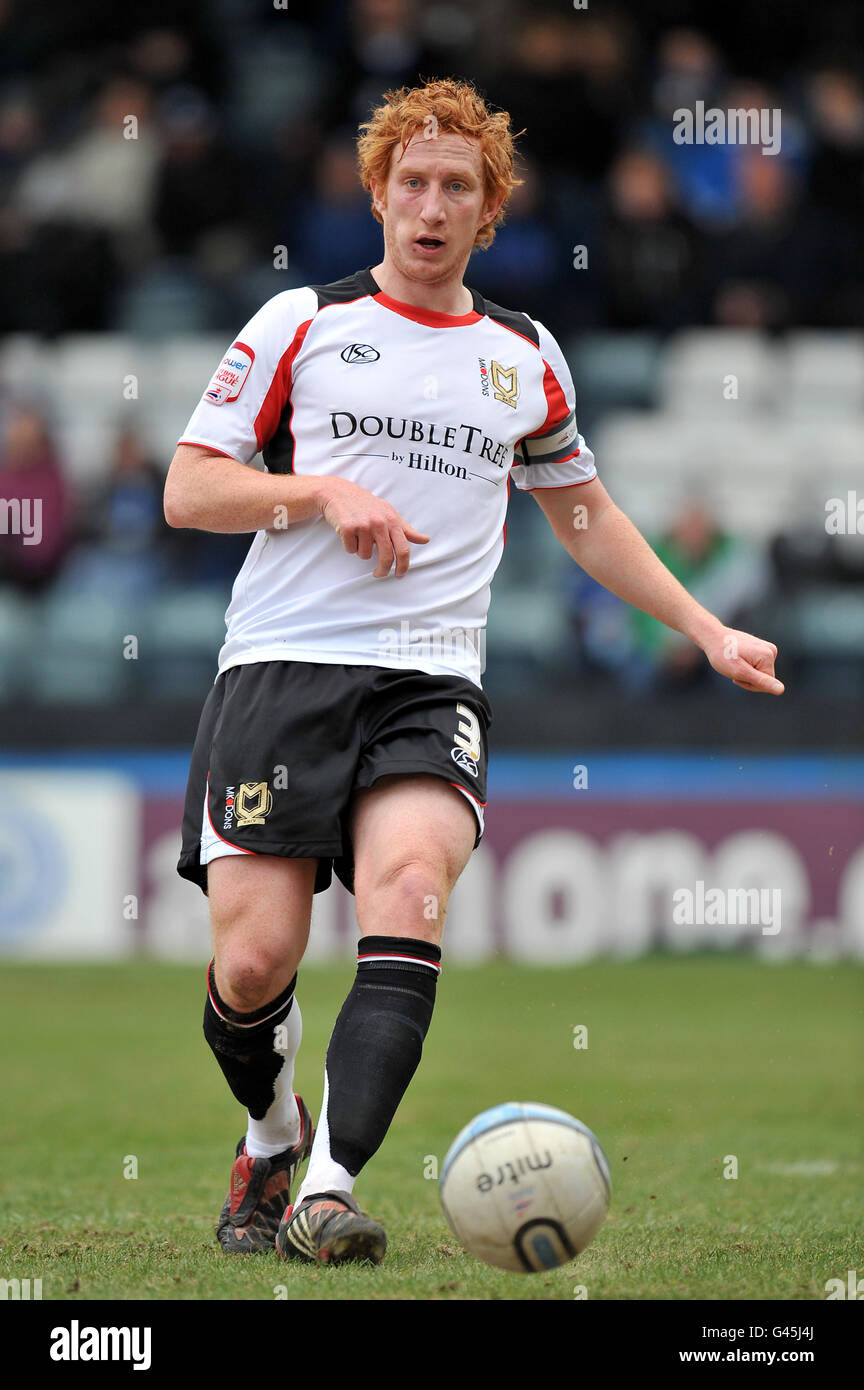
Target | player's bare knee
(407,897)
(246,980)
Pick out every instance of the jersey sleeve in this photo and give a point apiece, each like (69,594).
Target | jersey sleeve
(555,455)
(244,399)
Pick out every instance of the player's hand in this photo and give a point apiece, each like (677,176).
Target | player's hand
(748,661)
(366,523)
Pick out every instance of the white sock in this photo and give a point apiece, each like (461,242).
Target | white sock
(324,1174)
(280,1127)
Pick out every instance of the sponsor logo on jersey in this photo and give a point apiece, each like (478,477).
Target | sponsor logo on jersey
(466,741)
(230,376)
(253,804)
(505,382)
(359,352)
(470,439)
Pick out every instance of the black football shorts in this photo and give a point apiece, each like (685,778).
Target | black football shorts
(282,745)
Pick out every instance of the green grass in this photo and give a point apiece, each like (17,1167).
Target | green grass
(689,1060)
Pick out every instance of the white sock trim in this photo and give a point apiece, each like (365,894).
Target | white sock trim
(279,1128)
(324,1174)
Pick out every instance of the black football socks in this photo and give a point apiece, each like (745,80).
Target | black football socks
(256,1052)
(374,1051)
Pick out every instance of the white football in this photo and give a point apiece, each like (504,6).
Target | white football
(525,1187)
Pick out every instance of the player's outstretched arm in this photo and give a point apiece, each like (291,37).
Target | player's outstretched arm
(206,491)
(608,546)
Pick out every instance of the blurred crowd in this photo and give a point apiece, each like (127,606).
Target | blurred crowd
(149,167)
(163,173)
(109,538)
(108,544)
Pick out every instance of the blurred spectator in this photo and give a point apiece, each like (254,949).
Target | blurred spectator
(105,177)
(73,215)
(569,85)
(34,508)
(385,48)
(331,232)
(836,184)
(689,70)
(124,543)
(778,253)
(647,248)
(721,571)
(163,58)
(202,206)
(528,256)
(20,137)
(836,108)
(126,514)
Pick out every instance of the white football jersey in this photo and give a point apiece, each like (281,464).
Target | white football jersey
(434,412)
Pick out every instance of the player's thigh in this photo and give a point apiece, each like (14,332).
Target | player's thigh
(412,836)
(260,909)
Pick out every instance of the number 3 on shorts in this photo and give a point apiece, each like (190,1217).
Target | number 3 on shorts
(466,752)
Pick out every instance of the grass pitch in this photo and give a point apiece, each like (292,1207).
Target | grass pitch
(690,1062)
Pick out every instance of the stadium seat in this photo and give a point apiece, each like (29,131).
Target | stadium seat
(17,641)
(758,474)
(26,369)
(166,302)
(824,375)
(529,623)
(188,362)
(697,363)
(85,443)
(80,650)
(96,372)
(613,371)
(270,75)
(187,632)
(830,621)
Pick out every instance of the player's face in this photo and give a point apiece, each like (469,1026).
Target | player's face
(432,205)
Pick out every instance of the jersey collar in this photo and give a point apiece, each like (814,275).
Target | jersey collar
(430,317)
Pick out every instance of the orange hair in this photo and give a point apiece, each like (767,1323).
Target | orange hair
(458,109)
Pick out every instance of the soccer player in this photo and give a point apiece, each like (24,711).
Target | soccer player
(347,727)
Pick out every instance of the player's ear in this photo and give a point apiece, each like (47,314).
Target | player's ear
(491,208)
(379,202)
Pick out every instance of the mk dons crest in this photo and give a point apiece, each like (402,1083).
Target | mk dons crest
(505,382)
(253,804)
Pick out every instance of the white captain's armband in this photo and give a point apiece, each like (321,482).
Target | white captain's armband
(556,446)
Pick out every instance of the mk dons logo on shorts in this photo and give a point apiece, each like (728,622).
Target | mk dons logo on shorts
(505,384)
(466,753)
(252,804)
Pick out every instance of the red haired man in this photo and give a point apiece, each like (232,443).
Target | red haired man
(347,728)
